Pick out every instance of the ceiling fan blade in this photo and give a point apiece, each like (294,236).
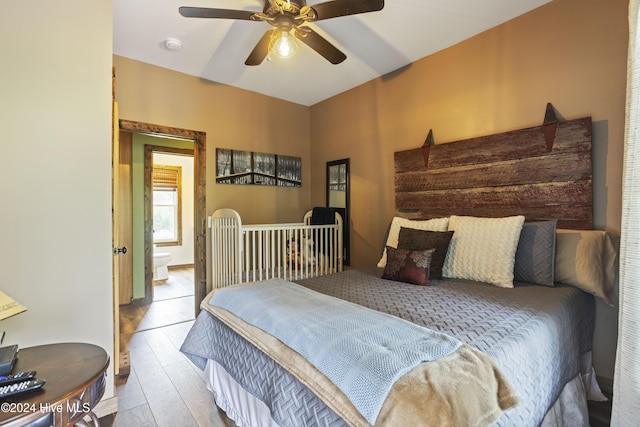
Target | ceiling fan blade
(336,8)
(261,50)
(321,45)
(205,12)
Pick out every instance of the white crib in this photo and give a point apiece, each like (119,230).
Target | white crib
(247,253)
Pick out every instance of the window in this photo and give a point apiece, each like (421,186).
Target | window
(167,205)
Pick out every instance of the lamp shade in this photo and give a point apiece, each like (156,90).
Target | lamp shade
(9,307)
(283,44)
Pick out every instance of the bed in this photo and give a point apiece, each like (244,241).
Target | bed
(499,302)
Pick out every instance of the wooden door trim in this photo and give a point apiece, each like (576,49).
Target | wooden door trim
(199,201)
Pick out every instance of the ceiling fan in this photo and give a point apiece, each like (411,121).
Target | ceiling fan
(288,15)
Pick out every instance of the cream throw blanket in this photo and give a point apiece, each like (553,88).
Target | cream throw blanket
(464,388)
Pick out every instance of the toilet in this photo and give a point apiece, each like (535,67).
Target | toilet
(160,262)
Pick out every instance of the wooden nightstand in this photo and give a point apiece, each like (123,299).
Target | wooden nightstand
(75,375)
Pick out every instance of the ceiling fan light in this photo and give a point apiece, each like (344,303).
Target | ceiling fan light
(284,45)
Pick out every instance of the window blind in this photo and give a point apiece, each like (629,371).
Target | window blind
(165,177)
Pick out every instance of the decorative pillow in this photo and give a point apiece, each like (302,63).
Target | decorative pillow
(483,249)
(416,240)
(587,259)
(408,266)
(536,253)
(436,224)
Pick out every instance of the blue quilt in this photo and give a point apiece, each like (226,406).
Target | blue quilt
(362,351)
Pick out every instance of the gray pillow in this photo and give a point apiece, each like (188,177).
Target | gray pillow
(536,253)
(417,240)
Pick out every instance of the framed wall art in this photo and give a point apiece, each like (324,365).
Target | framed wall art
(252,168)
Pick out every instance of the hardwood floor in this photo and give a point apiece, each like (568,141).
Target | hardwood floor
(179,284)
(172,303)
(163,387)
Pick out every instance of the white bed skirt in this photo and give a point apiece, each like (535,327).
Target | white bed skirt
(242,407)
(571,406)
(247,410)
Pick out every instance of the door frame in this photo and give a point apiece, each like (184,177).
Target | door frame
(199,207)
(148,206)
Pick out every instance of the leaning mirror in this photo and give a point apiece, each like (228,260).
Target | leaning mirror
(338,197)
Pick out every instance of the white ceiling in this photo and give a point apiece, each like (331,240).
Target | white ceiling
(375,43)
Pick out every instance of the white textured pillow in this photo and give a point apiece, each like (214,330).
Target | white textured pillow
(436,224)
(588,260)
(483,249)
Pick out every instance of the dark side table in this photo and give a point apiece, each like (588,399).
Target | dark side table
(75,375)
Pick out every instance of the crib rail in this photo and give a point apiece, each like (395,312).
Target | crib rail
(246,253)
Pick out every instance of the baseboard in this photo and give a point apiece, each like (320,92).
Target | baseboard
(124,367)
(106,407)
(179,266)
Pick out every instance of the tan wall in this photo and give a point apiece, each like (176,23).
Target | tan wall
(571,53)
(232,118)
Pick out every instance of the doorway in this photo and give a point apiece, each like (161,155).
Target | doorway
(167,200)
(199,209)
(171,189)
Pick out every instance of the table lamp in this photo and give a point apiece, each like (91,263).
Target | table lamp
(8,307)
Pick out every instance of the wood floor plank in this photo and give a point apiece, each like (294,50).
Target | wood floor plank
(130,393)
(130,317)
(194,392)
(140,416)
(164,350)
(178,332)
(134,318)
(176,335)
(179,284)
(165,402)
(167,312)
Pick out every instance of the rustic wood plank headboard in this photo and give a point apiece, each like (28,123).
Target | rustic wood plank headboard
(510,173)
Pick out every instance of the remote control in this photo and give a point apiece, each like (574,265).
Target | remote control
(20,387)
(14,378)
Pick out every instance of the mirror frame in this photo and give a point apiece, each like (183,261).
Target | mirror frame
(345,220)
